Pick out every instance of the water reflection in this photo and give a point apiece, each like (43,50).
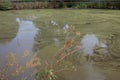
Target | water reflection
(92,73)
(57,32)
(54,23)
(24,41)
(65,28)
(86,71)
(56,41)
(89,42)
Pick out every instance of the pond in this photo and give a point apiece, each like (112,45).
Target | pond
(24,41)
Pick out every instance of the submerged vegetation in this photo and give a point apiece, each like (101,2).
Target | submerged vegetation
(12,67)
(52,60)
(46,70)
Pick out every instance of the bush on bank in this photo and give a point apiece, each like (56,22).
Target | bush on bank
(7,4)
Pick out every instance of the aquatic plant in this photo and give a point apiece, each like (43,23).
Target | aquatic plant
(13,68)
(42,70)
(51,70)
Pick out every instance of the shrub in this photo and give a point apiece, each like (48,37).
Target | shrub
(5,5)
(64,5)
(81,5)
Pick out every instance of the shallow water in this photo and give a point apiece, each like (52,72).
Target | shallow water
(56,41)
(22,42)
(89,42)
(86,71)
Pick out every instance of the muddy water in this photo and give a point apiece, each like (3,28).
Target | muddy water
(22,42)
(86,70)
(89,71)
(88,44)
